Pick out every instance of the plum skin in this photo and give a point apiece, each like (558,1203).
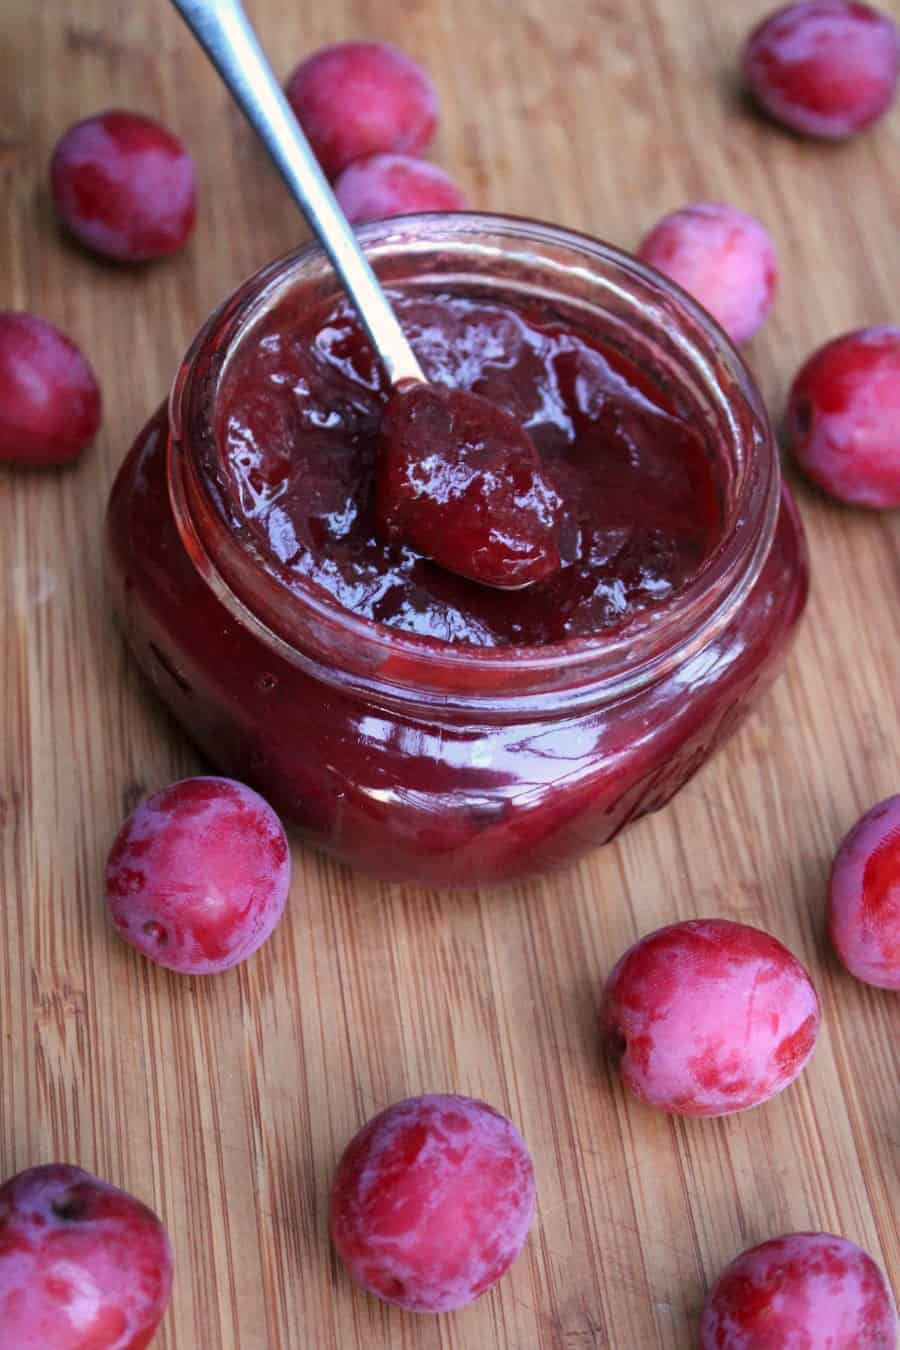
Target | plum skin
(50,401)
(709,1017)
(801,1291)
(432,1202)
(83,1265)
(825,68)
(864,897)
(198,875)
(355,99)
(124,186)
(843,417)
(723,257)
(382,186)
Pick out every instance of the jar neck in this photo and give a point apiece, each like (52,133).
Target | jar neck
(673,338)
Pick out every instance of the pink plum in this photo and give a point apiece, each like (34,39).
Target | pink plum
(124,186)
(198,875)
(709,1017)
(824,67)
(83,1266)
(432,1201)
(49,396)
(864,897)
(843,417)
(356,99)
(723,257)
(395,185)
(804,1291)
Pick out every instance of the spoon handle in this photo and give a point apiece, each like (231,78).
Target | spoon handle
(223,30)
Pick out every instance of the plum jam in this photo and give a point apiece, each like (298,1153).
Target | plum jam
(413,721)
(300,418)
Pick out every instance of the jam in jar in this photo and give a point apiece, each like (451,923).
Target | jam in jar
(412,721)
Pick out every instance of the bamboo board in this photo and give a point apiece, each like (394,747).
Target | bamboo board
(225,1102)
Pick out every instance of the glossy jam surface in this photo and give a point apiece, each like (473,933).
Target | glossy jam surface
(299,421)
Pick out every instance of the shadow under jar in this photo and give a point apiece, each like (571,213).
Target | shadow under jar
(409,724)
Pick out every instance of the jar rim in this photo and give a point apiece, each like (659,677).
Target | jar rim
(306,625)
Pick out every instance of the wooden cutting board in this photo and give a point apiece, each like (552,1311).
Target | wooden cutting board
(224,1102)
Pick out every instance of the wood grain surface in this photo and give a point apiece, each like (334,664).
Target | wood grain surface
(224,1102)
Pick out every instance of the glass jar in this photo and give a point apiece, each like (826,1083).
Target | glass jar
(444,763)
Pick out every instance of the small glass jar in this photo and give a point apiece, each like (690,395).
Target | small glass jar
(436,762)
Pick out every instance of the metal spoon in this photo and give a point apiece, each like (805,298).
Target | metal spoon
(223,30)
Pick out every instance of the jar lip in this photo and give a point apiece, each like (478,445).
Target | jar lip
(620,660)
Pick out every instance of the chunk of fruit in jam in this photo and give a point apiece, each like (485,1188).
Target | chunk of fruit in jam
(460,481)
